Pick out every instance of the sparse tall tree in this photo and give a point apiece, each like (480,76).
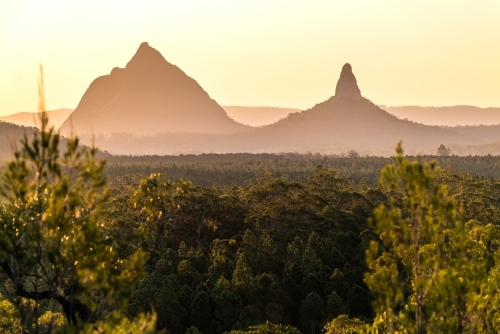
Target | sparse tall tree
(352,154)
(443,151)
(423,271)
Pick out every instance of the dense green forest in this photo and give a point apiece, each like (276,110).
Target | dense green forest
(243,243)
(255,244)
(279,249)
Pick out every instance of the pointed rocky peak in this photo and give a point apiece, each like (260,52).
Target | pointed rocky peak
(146,56)
(148,96)
(116,71)
(347,85)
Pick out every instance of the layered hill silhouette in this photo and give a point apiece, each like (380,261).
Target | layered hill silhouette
(257,116)
(345,121)
(10,135)
(147,97)
(447,116)
(450,116)
(56,117)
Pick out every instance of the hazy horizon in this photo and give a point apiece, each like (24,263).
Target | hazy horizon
(279,54)
(257,116)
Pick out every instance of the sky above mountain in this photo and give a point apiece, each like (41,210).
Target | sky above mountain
(258,53)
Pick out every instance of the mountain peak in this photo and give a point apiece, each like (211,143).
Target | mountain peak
(146,55)
(347,85)
(148,96)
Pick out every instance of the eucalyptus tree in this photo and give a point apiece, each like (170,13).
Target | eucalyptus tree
(423,270)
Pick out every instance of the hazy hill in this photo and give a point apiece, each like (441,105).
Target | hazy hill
(148,96)
(56,117)
(257,116)
(359,124)
(343,122)
(11,134)
(485,133)
(449,116)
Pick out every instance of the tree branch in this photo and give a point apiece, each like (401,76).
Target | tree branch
(20,290)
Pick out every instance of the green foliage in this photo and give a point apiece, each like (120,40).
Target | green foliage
(411,233)
(116,323)
(258,250)
(291,250)
(51,321)
(267,328)
(10,321)
(156,199)
(201,313)
(243,277)
(335,306)
(312,313)
(430,272)
(345,325)
(251,268)
(193,330)
(54,249)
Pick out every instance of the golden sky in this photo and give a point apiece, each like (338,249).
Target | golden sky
(283,53)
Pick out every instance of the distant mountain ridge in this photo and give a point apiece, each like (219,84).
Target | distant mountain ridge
(10,135)
(447,116)
(359,124)
(56,117)
(257,116)
(147,97)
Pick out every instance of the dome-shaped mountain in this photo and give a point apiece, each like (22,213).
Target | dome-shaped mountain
(148,96)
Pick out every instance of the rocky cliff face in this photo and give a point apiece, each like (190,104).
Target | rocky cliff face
(147,97)
(347,85)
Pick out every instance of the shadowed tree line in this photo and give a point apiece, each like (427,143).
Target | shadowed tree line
(237,169)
